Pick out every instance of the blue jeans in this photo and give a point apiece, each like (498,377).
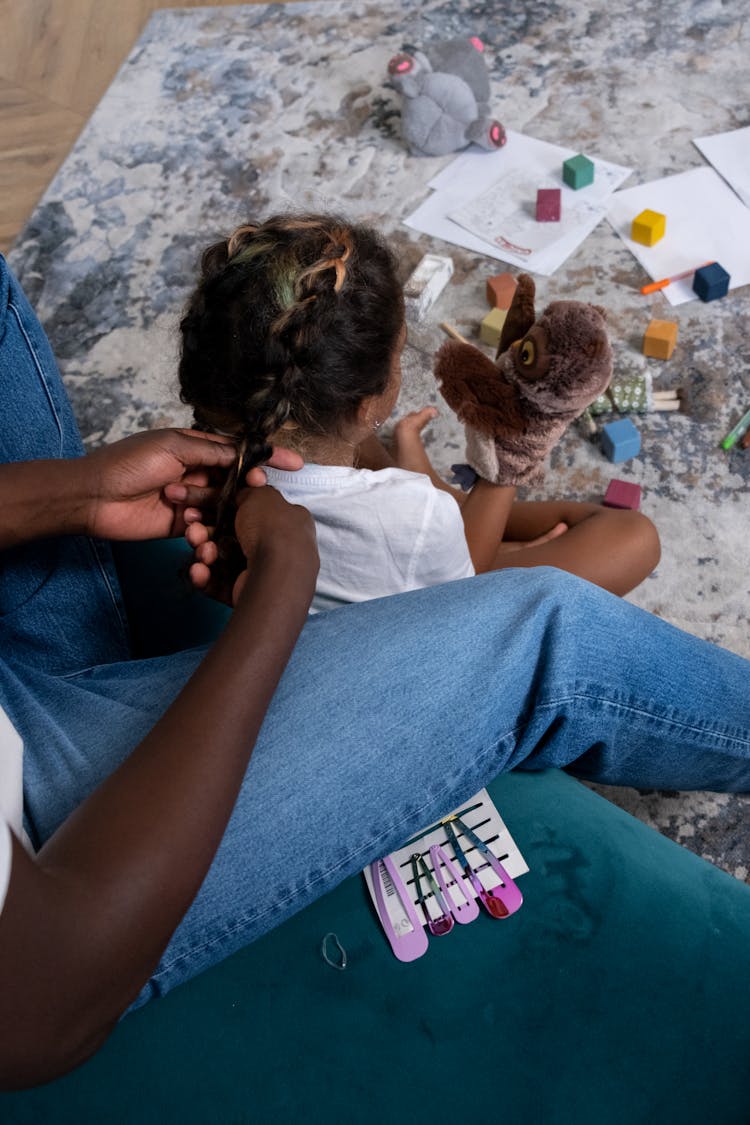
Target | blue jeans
(389,713)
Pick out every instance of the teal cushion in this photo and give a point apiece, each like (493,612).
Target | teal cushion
(164,613)
(618,993)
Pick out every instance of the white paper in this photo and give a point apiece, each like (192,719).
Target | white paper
(706,222)
(513,174)
(730,155)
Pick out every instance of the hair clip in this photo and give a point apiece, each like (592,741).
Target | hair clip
(493,906)
(407,941)
(444,923)
(465,911)
(507,891)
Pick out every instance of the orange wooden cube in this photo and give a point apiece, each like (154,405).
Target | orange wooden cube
(500,290)
(659,339)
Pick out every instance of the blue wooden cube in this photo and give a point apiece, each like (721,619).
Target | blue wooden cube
(621,440)
(711,281)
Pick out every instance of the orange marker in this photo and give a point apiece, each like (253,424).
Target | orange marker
(655,286)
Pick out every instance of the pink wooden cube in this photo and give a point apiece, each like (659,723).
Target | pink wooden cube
(623,494)
(548,205)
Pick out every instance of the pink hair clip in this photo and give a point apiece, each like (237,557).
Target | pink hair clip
(406,935)
(465,911)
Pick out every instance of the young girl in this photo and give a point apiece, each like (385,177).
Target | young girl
(293,337)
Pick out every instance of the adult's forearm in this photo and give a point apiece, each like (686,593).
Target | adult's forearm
(40,499)
(117,877)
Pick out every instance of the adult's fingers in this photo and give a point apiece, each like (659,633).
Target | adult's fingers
(285,459)
(197,534)
(200,575)
(192,495)
(198,449)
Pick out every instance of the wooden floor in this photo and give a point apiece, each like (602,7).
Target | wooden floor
(57,58)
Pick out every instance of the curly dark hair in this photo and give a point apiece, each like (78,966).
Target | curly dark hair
(294,319)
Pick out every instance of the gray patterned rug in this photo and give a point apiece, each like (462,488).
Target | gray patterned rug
(221,113)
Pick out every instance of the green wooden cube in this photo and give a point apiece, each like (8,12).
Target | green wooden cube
(578,171)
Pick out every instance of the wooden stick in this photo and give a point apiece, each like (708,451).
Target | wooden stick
(660,396)
(450,331)
(663,404)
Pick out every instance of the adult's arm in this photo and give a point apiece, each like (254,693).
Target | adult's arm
(147,486)
(86,920)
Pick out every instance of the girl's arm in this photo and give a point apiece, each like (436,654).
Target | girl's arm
(86,920)
(485,513)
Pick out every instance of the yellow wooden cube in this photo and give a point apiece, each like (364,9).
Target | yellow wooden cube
(492,326)
(659,339)
(648,227)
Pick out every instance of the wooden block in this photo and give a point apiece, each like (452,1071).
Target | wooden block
(622,494)
(648,227)
(492,326)
(548,205)
(578,172)
(425,284)
(711,282)
(500,290)
(620,440)
(659,339)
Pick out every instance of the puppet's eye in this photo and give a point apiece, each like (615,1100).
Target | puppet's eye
(527,353)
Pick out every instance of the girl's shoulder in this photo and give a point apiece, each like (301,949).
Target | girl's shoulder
(332,478)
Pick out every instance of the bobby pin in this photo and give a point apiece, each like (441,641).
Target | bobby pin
(437,926)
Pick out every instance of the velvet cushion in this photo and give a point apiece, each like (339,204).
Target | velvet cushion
(618,993)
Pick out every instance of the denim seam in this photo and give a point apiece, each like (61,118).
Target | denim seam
(117,603)
(16,312)
(691,727)
(53,409)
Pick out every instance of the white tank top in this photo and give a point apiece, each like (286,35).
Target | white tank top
(11,796)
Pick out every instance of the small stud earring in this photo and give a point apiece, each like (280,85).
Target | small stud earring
(376,425)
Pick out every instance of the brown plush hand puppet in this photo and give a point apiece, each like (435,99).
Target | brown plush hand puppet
(547,371)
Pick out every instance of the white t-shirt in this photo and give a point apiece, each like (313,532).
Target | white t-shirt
(11,796)
(379,533)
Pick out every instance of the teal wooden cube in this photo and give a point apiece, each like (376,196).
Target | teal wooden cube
(578,172)
(621,440)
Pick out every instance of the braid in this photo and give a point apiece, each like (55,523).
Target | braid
(294,320)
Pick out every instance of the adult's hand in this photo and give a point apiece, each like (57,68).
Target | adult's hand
(152,485)
(149,485)
(204,572)
(265,523)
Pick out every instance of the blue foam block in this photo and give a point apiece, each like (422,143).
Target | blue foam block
(621,440)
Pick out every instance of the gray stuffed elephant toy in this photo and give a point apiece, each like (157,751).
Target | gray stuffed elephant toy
(445,98)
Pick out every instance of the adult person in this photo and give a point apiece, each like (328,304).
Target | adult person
(154,851)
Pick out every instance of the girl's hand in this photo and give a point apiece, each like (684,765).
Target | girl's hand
(508,546)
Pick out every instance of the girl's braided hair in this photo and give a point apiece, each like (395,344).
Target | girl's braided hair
(294,319)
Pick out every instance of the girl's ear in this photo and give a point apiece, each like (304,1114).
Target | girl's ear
(367,413)
(521,314)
